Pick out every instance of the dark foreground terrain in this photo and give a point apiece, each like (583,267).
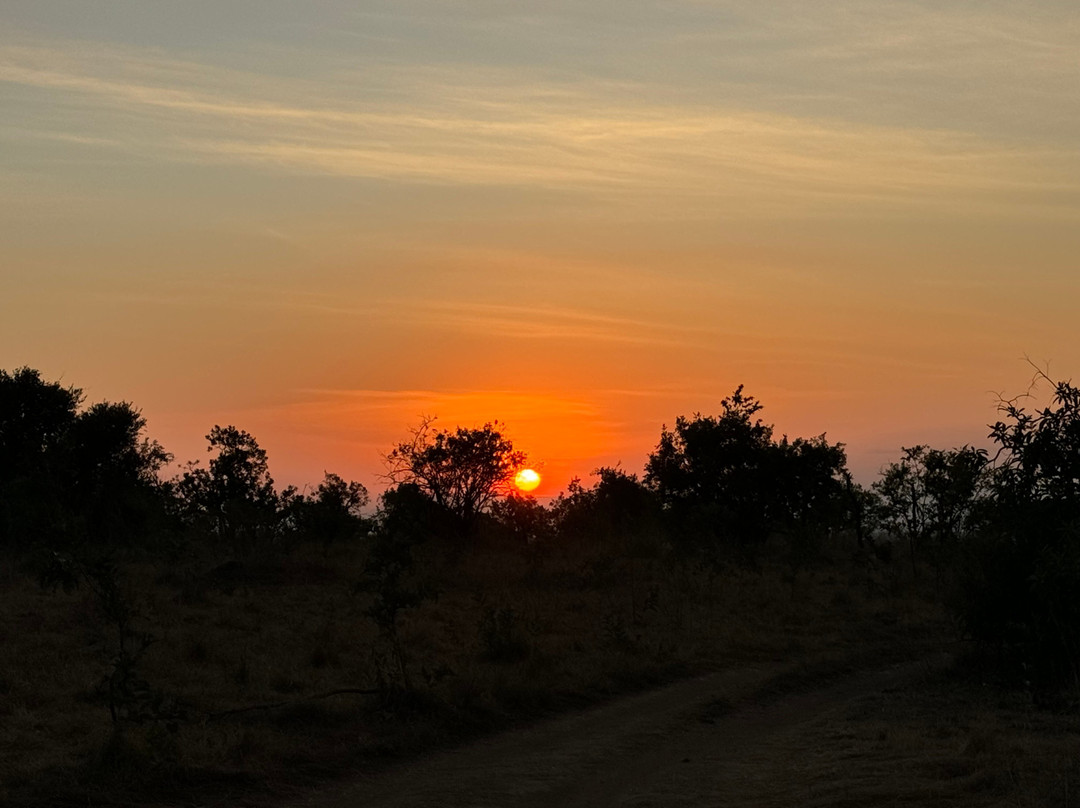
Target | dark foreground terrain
(568,678)
(904,734)
(722,738)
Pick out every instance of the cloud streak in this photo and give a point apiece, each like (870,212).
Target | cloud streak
(484,129)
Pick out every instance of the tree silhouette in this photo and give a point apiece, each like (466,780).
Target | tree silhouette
(34,417)
(112,472)
(713,473)
(462,470)
(1020,580)
(234,496)
(724,478)
(811,491)
(618,513)
(69,477)
(932,496)
(526,519)
(332,513)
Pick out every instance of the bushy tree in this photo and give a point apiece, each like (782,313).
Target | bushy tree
(1022,576)
(112,473)
(462,470)
(527,520)
(712,473)
(812,493)
(1041,453)
(723,478)
(811,478)
(34,418)
(618,513)
(332,513)
(35,415)
(69,476)
(234,496)
(932,497)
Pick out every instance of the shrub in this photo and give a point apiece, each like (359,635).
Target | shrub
(1018,588)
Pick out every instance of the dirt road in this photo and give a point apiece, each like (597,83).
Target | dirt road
(690,743)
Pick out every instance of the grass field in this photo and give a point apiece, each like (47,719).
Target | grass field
(947,740)
(285,681)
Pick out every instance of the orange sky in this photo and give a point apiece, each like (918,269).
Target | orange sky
(320,224)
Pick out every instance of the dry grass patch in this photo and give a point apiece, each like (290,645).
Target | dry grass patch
(252,647)
(942,742)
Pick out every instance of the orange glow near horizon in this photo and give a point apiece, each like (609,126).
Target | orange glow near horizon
(569,434)
(832,208)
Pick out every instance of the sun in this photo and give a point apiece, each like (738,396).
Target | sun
(526,480)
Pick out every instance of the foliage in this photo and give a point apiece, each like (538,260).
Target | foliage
(724,479)
(711,473)
(528,521)
(390,577)
(112,473)
(618,513)
(1041,463)
(234,497)
(932,497)
(462,470)
(1019,592)
(332,513)
(861,505)
(69,477)
(812,493)
(34,418)
(129,698)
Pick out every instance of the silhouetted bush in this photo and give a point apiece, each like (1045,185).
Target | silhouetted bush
(70,477)
(1021,575)
(934,499)
(812,494)
(404,523)
(127,695)
(331,514)
(233,498)
(529,523)
(618,515)
(724,482)
(463,471)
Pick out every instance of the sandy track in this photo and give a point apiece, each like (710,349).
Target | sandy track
(670,747)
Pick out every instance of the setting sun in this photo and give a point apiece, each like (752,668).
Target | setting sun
(527,480)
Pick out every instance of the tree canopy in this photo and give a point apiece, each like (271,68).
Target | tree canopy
(931,496)
(463,470)
(234,494)
(71,475)
(1022,573)
(724,477)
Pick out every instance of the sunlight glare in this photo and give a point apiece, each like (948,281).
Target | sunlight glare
(527,480)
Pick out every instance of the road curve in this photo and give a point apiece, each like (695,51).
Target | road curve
(670,746)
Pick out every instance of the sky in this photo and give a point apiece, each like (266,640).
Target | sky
(324,221)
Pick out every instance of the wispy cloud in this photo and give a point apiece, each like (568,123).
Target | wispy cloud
(482,127)
(545,323)
(451,405)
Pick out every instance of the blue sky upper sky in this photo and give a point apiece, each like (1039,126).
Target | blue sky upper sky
(315,220)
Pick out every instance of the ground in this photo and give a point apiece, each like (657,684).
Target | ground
(902,734)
